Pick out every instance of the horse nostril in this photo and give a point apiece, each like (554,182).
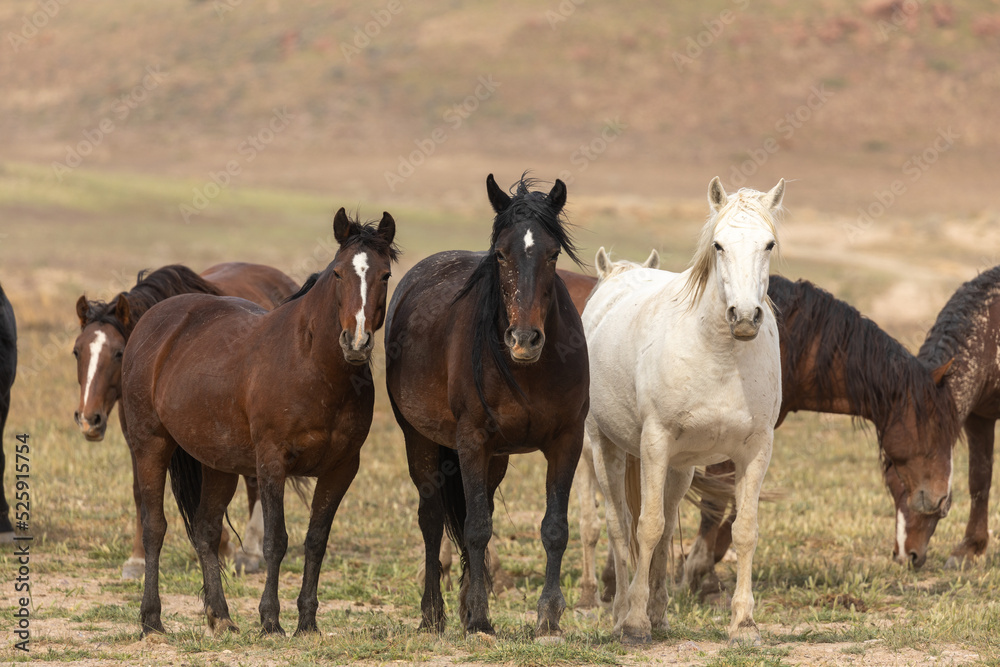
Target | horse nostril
(536,337)
(508,337)
(914,558)
(345,338)
(96,421)
(731,314)
(757,315)
(76,416)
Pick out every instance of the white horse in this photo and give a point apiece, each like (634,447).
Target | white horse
(685,370)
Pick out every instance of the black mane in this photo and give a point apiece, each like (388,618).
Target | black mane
(150,289)
(952,330)
(484,283)
(880,374)
(359,233)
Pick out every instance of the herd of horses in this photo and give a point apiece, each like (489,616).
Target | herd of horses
(626,381)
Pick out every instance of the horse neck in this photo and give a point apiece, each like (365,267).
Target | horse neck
(315,317)
(973,376)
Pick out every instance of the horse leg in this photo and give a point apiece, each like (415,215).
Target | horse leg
(423,461)
(330,490)
(701,560)
(563,457)
(590,528)
(248,557)
(152,458)
(678,481)
(980,434)
(135,566)
(271,482)
(609,464)
(749,477)
(474,462)
(608,577)
(217,489)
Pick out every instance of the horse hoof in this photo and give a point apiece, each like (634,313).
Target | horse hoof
(431,626)
(634,636)
(550,640)
(745,636)
(306,630)
(274,629)
(247,563)
(134,568)
(222,626)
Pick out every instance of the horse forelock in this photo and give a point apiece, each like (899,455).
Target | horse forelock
(745,208)
(534,206)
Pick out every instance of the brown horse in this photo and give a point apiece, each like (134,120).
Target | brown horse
(966,335)
(104,330)
(485,359)
(244,391)
(835,360)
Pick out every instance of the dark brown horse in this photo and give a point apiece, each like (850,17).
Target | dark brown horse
(106,327)
(486,358)
(966,335)
(835,360)
(244,391)
(8,369)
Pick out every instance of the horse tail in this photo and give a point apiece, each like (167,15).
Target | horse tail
(185,482)
(633,501)
(303,487)
(453,497)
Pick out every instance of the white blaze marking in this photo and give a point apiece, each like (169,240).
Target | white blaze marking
(529,240)
(95,353)
(361,268)
(901,535)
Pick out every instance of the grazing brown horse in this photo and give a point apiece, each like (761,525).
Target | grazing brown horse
(106,327)
(485,359)
(965,340)
(244,391)
(835,360)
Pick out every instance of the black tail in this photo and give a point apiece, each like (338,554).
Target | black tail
(453,497)
(185,482)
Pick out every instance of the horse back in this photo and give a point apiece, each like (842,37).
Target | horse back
(264,285)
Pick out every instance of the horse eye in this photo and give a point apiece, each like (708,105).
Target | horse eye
(119,354)
(717,246)
(336,275)
(770,246)
(386,277)
(554,258)
(501,257)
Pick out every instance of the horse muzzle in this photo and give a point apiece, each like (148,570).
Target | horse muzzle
(745,326)
(525,345)
(357,352)
(92,426)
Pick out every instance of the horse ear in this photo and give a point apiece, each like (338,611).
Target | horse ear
(498,198)
(82,309)
(653,261)
(939,373)
(557,195)
(602,262)
(122,312)
(341,226)
(717,197)
(773,198)
(387,228)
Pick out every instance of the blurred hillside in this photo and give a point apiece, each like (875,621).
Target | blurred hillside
(645,99)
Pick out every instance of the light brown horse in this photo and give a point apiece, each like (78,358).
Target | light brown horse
(104,330)
(242,391)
